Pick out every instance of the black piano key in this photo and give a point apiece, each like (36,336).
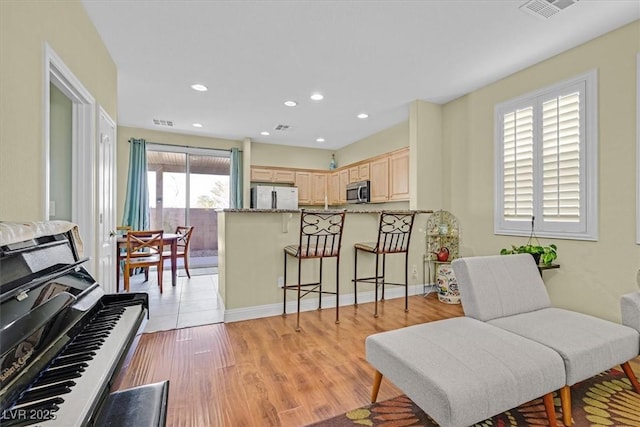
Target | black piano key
(72,359)
(85,339)
(58,375)
(97,330)
(73,366)
(102,335)
(45,392)
(88,347)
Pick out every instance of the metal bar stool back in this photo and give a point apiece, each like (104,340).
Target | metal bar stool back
(394,236)
(320,237)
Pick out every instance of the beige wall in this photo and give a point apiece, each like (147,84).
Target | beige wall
(387,140)
(25,27)
(293,157)
(593,275)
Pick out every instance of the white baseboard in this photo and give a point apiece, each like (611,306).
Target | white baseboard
(328,301)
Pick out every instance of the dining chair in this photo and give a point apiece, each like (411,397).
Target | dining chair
(143,250)
(394,234)
(184,238)
(320,237)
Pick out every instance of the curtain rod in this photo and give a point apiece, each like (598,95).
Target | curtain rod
(184,146)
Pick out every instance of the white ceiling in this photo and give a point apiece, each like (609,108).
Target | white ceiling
(364,56)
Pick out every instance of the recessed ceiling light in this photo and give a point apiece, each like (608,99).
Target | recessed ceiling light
(265,133)
(197,125)
(363,115)
(199,87)
(290,103)
(320,140)
(317,96)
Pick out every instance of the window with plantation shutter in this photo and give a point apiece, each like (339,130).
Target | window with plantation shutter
(546,162)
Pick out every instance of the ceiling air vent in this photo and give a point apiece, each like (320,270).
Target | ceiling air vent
(168,123)
(546,8)
(282,128)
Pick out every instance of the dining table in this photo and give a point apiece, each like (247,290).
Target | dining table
(168,239)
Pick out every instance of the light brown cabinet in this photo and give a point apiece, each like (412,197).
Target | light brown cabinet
(266,174)
(281,175)
(318,188)
(379,177)
(303,182)
(337,187)
(342,189)
(359,172)
(399,175)
(312,187)
(261,174)
(333,188)
(389,176)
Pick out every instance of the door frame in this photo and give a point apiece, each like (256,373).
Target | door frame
(83,149)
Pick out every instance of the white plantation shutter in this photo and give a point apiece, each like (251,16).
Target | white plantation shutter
(561,158)
(518,164)
(545,164)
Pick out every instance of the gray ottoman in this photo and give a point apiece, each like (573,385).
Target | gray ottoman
(462,371)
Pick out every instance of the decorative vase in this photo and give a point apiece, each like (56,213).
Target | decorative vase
(332,163)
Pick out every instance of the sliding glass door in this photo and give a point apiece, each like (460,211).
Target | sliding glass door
(186,186)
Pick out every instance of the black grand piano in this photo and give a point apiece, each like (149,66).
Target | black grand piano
(63,340)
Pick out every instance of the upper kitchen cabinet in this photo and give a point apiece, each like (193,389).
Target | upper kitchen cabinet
(333,188)
(337,186)
(267,174)
(399,175)
(379,177)
(389,176)
(303,182)
(312,187)
(359,172)
(319,188)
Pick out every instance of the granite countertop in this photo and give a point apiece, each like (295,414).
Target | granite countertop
(357,211)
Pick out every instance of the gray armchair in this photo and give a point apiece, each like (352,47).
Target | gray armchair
(508,292)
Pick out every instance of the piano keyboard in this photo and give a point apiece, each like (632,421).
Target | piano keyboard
(67,392)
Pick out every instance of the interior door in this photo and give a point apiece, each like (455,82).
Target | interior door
(106,202)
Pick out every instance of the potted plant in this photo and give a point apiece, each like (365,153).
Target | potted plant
(541,254)
(544,255)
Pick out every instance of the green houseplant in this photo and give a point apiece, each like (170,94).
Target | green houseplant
(544,255)
(541,254)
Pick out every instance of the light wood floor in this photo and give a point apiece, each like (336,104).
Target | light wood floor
(262,373)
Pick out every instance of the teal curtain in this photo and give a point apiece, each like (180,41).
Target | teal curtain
(235,179)
(136,204)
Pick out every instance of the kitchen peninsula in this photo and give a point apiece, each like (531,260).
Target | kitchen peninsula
(251,260)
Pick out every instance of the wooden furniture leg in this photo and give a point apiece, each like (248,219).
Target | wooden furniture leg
(626,367)
(377,379)
(565,399)
(550,409)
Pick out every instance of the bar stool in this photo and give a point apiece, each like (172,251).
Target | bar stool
(320,237)
(394,233)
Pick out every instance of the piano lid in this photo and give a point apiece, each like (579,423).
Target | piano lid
(12,233)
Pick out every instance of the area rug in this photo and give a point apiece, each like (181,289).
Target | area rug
(605,400)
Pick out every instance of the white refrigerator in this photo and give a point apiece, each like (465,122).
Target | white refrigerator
(274,197)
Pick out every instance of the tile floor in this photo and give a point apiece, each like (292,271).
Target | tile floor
(192,302)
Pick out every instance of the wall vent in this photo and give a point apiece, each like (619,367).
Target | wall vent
(282,128)
(545,9)
(158,122)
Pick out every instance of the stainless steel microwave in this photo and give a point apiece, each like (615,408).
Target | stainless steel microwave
(359,192)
